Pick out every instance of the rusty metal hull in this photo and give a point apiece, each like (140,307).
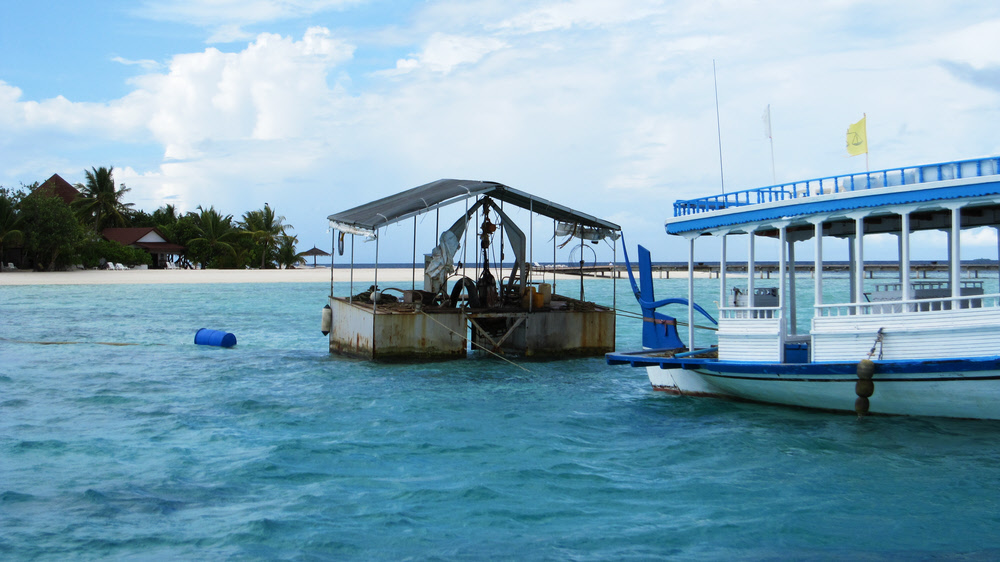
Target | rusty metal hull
(406,334)
(546,333)
(365,332)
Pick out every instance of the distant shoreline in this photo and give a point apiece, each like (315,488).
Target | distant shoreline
(196,276)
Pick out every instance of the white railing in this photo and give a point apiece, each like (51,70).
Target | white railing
(745,313)
(908,306)
(936,284)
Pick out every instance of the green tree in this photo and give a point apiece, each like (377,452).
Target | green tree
(52,233)
(215,240)
(100,204)
(287,256)
(10,222)
(165,216)
(266,229)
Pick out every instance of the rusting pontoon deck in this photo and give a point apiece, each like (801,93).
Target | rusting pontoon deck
(402,331)
(453,313)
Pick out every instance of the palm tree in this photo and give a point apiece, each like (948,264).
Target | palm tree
(287,257)
(216,233)
(267,229)
(100,202)
(10,222)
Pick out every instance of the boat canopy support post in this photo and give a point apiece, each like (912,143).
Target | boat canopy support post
(818,263)
(751,267)
(859,258)
(691,343)
(852,264)
(413,269)
(722,272)
(904,256)
(956,251)
(333,256)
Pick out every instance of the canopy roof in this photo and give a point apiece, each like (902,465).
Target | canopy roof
(315,252)
(366,219)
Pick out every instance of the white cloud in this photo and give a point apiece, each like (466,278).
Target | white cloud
(606,107)
(145,64)
(579,13)
(443,52)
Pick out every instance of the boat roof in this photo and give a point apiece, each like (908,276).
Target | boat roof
(922,187)
(366,219)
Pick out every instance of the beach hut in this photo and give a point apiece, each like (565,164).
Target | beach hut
(315,252)
(145,238)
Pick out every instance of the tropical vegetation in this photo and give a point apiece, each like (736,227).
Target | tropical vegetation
(51,234)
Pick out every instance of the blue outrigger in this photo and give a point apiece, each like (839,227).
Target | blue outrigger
(908,346)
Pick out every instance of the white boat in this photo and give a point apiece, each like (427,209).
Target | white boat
(909,346)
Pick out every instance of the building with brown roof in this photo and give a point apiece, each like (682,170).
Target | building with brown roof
(146,238)
(56,186)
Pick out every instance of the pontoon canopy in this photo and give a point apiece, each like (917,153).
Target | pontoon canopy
(366,219)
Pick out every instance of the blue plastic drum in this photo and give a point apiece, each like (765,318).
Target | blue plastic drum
(217,338)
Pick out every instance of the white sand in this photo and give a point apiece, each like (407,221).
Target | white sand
(161,276)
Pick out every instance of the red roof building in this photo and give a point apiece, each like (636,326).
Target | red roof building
(147,238)
(56,186)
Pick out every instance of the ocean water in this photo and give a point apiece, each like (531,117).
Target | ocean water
(276,450)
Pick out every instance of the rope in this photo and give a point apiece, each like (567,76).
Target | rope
(878,343)
(637,316)
(497,355)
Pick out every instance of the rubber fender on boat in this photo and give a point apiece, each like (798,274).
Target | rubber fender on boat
(327,324)
(864,388)
(217,338)
(866,368)
(861,405)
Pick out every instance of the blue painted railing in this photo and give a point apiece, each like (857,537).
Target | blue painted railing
(839,184)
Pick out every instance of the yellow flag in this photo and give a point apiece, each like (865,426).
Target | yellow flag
(857,138)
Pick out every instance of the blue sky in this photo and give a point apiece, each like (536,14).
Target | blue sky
(315,106)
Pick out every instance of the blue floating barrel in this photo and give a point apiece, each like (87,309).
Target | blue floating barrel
(217,338)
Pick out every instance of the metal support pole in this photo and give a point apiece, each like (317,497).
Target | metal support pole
(859,257)
(722,274)
(751,266)
(691,344)
(333,257)
(904,257)
(956,253)
(792,311)
(413,272)
(818,265)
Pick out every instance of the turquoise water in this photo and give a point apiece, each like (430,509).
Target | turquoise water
(276,450)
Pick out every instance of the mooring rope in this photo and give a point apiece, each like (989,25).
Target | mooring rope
(497,355)
(636,316)
(878,343)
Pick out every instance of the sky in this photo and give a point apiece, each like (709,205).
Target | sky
(316,106)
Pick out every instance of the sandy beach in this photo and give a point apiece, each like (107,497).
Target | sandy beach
(169,276)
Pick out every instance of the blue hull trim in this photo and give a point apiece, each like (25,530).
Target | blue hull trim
(804,372)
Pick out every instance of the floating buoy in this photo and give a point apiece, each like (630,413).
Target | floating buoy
(327,324)
(217,338)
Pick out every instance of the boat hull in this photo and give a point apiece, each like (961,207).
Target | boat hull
(955,393)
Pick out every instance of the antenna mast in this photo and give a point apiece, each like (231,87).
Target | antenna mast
(718,125)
